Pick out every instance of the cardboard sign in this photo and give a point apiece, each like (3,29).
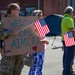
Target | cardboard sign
(26,41)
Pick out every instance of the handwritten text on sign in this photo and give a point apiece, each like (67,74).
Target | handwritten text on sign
(18,23)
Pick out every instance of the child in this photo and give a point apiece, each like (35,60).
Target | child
(36,69)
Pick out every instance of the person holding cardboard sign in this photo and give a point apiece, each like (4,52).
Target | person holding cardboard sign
(37,66)
(11,65)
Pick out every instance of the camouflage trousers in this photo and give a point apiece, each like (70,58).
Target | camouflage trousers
(11,65)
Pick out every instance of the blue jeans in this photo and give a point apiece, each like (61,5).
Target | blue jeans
(68,57)
(36,69)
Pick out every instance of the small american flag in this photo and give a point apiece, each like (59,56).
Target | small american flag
(41,27)
(69,39)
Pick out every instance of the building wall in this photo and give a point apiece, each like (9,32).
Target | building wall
(48,6)
(54,6)
(4,3)
(23,3)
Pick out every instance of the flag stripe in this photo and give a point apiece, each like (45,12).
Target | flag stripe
(69,41)
(42,30)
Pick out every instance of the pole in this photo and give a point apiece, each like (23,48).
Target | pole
(38,4)
(69,2)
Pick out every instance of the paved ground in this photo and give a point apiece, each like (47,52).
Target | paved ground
(53,58)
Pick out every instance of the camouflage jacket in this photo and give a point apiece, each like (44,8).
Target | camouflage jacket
(4,33)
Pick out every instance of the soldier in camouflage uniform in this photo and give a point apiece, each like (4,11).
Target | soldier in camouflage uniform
(10,65)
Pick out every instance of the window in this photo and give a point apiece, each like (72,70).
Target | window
(29,10)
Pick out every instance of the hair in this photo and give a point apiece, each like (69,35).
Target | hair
(68,9)
(12,6)
(37,13)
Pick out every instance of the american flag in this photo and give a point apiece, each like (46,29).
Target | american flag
(69,39)
(41,27)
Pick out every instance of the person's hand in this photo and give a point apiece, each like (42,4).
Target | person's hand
(72,29)
(44,42)
(73,32)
